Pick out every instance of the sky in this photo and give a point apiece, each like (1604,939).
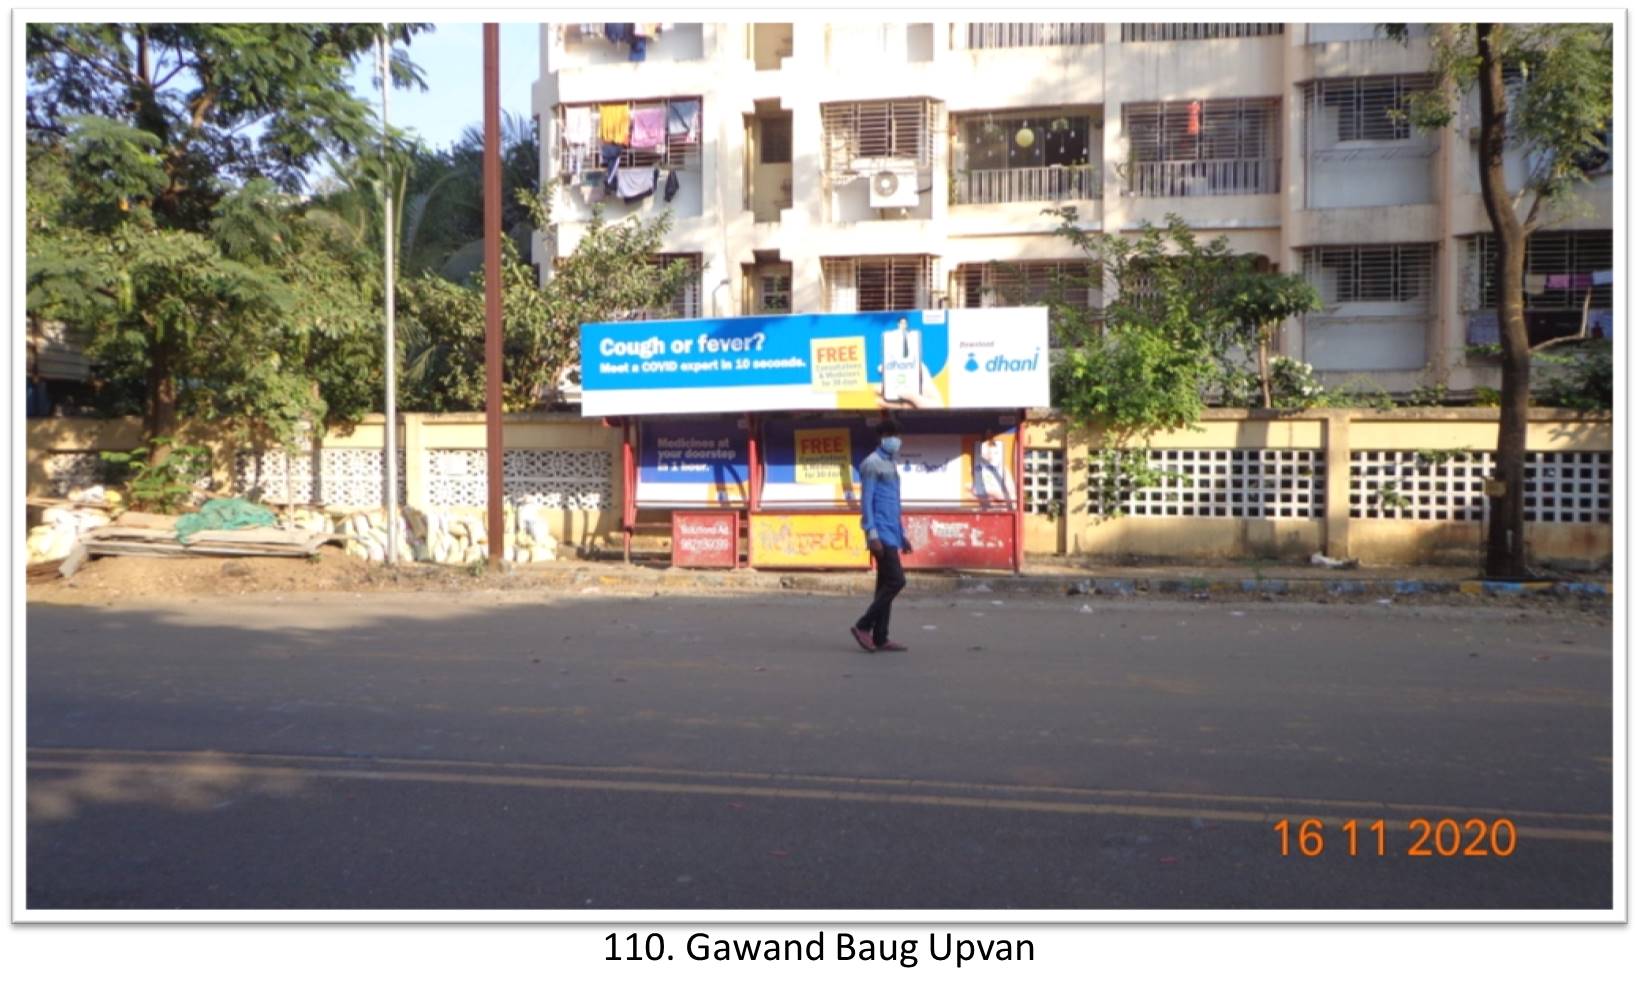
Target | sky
(451,59)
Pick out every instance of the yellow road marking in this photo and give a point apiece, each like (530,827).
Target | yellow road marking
(203,765)
(936,785)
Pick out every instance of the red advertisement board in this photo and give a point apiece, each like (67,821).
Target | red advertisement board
(705,539)
(960,539)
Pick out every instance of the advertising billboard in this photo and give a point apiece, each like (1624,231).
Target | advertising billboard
(982,358)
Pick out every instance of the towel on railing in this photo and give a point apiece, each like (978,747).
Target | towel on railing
(614,123)
(685,119)
(648,127)
(577,136)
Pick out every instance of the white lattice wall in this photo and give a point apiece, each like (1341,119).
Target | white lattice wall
(353,478)
(68,470)
(1043,480)
(1405,484)
(1568,487)
(1449,487)
(579,479)
(1237,483)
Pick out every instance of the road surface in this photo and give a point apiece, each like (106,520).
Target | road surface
(510,751)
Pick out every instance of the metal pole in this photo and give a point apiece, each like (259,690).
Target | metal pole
(492,285)
(392,342)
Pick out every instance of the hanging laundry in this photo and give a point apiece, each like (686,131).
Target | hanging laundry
(1600,323)
(614,124)
(636,184)
(1194,117)
(639,49)
(685,120)
(617,32)
(646,29)
(611,165)
(591,31)
(577,135)
(1535,283)
(1558,281)
(1580,281)
(1603,278)
(672,185)
(648,127)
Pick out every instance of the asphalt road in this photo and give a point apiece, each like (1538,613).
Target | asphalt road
(587,752)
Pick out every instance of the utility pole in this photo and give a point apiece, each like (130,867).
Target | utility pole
(492,286)
(383,63)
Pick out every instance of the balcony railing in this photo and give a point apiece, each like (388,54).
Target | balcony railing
(1027,35)
(1016,186)
(1203,177)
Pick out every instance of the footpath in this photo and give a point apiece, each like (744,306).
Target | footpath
(110,579)
(1297,582)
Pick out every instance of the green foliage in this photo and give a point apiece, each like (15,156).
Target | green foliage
(1434,457)
(609,276)
(1583,379)
(1360,391)
(159,481)
(1562,113)
(1293,386)
(1486,397)
(1183,318)
(157,223)
(1428,395)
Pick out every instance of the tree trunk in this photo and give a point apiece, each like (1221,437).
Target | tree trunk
(160,414)
(1262,368)
(1504,553)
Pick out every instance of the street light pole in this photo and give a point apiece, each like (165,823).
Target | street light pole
(492,286)
(383,64)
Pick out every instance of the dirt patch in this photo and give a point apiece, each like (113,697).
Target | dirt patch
(121,578)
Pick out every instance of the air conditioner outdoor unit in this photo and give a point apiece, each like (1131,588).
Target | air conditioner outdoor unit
(894,189)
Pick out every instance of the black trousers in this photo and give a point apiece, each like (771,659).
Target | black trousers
(889,582)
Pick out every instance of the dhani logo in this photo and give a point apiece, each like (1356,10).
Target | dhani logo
(1004,364)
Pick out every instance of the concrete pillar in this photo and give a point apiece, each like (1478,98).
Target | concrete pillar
(415,462)
(1336,483)
(1447,336)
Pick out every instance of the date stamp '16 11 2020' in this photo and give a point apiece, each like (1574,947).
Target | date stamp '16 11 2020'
(1447,838)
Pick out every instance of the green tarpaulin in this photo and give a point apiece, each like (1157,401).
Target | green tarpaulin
(224,513)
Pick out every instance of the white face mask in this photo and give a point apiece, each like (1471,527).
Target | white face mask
(890,445)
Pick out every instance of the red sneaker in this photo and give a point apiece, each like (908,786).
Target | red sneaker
(863,638)
(890,645)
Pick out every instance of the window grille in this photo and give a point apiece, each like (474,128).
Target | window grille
(685,303)
(1043,481)
(1074,284)
(1203,147)
(1195,32)
(682,150)
(1362,109)
(1574,256)
(1559,487)
(1371,274)
(1059,161)
(775,295)
(1237,483)
(884,129)
(877,283)
(1019,35)
(775,147)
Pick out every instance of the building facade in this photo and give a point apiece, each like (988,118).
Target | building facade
(861,167)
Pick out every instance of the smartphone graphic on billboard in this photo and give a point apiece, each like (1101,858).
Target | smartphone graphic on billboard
(901,362)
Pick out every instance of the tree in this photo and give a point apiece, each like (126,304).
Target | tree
(1182,314)
(610,276)
(169,156)
(1558,116)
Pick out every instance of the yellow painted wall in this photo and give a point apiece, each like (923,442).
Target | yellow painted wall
(1374,541)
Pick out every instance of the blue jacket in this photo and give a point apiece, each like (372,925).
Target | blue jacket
(879,502)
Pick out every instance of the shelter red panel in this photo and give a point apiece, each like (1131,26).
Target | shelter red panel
(705,539)
(960,539)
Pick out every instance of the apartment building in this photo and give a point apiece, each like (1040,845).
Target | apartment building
(859,167)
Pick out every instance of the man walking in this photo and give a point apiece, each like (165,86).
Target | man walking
(884,532)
